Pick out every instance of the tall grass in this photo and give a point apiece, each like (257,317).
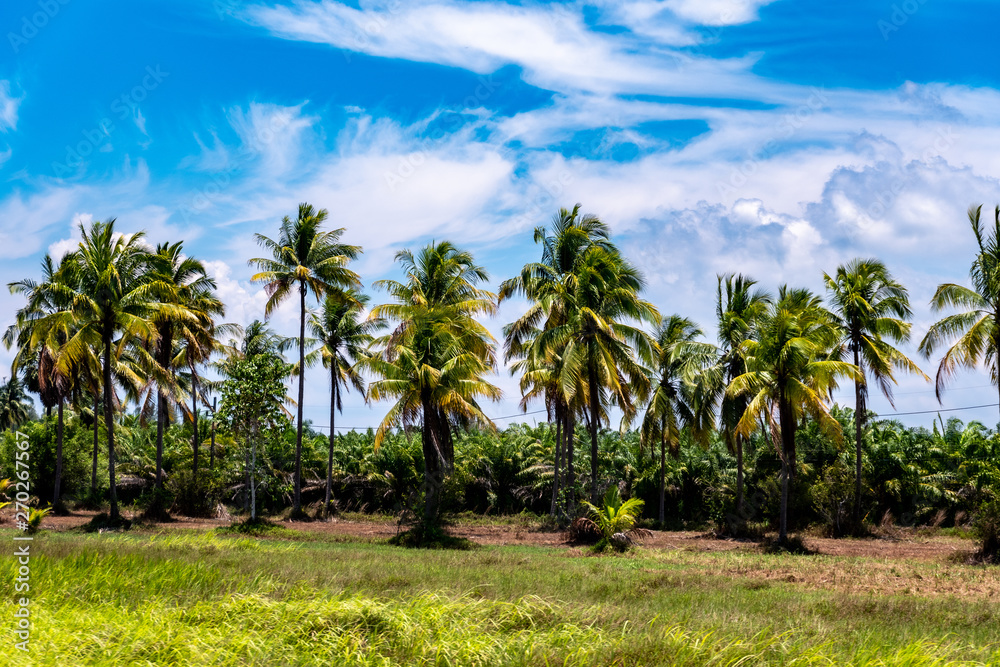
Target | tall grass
(206,599)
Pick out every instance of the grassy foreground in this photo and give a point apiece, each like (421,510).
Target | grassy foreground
(185,598)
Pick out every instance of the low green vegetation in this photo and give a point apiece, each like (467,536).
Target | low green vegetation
(185,598)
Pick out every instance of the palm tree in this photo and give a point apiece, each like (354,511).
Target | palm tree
(314,261)
(434,362)
(599,346)
(107,304)
(673,403)
(737,307)
(344,338)
(186,285)
(978,329)
(15,406)
(872,310)
(582,291)
(788,375)
(53,385)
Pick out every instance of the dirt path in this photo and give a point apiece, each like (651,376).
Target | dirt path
(913,547)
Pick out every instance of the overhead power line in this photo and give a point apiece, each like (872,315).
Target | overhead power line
(362,428)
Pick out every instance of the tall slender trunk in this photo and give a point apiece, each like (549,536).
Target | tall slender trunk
(211,452)
(109,424)
(249,478)
(594,423)
(333,434)
(859,419)
(302,392)
(663,478)
(739,477)
(555,466)
(161,418)
(164,348)
(59,457)
(253,477)
(570,479)
(787,425)
(93,471)
(195,440)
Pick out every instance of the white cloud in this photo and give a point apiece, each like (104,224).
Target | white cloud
(552,43)
(8,107)
(716,12)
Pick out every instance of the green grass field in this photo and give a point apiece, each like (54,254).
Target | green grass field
(187,598)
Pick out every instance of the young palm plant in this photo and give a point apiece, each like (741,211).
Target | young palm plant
(615,519)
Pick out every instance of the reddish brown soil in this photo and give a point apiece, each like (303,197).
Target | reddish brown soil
(909,547)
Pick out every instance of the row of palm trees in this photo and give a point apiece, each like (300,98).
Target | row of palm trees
(118,314)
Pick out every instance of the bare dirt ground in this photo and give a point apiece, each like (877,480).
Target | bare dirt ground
(908,547)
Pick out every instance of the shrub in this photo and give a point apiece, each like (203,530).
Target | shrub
(986,529)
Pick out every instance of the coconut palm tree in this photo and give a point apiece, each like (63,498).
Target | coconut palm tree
(601,349)
(737,307)
(106,303)
(54,385)
(789,374)
(315,261)
(977,330)
(673,402)
(185,284)
(435,361)
(15,406)
(872,311)
(583,293)
(343,337)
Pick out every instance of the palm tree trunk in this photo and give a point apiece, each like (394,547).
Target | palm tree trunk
(93,471)
(297,509)
(787,425)
(432,463)
(739,477)
(663,479)
(59,457)
(211,452)
(109,424)
(195,444)
(555,467)
(594,412)
(253,479)
(569,481)
(333,434)
(161,417)
(859,417)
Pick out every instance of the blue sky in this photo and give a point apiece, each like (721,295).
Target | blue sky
(776,138)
